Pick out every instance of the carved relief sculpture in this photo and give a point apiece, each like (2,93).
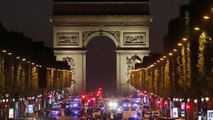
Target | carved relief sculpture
(134,38)
(131,64)
(67,38)
(71,63)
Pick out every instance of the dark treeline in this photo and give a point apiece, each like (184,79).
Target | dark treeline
(186,68)
(27,68)
(25,47)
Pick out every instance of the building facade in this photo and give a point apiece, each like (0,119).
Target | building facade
(126,23)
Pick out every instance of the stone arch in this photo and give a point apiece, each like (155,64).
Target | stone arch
(101,33)
(101,62)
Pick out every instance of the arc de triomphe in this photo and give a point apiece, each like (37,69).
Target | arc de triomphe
(125,22)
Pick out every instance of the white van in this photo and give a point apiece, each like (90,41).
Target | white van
(131,112)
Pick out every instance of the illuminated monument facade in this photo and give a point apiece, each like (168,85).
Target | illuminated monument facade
(76,23)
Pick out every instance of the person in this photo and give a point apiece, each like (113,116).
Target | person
(67,113)
(143,113)
(154,117)
(150,117)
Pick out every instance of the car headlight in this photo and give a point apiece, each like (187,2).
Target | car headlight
(110,104)
(115,104)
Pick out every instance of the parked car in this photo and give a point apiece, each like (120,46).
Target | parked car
(55,112)
(148,114)
(29,117)
(56,105)
(96,113)
(155,113)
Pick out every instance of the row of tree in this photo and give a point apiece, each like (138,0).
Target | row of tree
(187,71)
(26,67)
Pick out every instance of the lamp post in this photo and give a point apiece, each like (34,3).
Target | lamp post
(73,81)
(128,82)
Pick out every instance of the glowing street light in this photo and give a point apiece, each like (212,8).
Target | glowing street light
(175,50)
(180,44)
(202,99)
(188,100)
(207,98)
(195,100)
(184,39)
(206,17)
(23,59)
(197,28)
(170,54)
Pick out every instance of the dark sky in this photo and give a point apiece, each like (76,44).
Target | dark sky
(31,18)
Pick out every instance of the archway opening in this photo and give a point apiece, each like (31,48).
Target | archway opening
(101,65)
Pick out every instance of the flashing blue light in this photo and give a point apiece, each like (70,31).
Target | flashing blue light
(134,105)
(75,105)
(135,116)
(125,105)
(55,113)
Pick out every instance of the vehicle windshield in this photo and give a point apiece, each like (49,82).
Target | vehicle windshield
(97,109)
(55,109)
(76,108)
(113,111)
(146,107)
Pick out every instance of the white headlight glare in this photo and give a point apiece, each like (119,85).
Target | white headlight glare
(134,105)
(75,105)
(125,105)
(110,104)
(115,104)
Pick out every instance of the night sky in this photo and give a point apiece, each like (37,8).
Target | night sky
(31,18)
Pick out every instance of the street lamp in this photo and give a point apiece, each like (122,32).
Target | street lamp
(197,28)
(207,98)
(195,101)
(73,81)
(206,17)
(127,86)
